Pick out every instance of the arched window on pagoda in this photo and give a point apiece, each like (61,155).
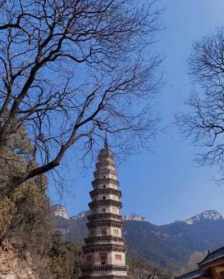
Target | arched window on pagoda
(103,258)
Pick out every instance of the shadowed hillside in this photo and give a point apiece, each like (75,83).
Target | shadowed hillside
(168,246)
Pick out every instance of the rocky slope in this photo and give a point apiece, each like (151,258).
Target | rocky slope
(14,267)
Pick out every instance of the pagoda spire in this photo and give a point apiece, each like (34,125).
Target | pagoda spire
(103,255)
(106,146)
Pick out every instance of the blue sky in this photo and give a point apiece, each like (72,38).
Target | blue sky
(163,184)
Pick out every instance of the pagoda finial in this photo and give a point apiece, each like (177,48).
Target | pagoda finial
(106,146)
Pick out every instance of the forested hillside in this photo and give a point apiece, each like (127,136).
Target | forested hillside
(171,247)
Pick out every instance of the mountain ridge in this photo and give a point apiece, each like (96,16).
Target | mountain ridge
(210,214)
(205,215)
(170,246)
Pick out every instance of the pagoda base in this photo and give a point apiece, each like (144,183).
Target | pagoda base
(104,277)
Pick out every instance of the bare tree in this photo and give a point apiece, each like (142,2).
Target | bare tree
(72,70)
(204,123)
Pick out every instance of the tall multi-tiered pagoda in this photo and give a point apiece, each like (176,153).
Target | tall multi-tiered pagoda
(104,252)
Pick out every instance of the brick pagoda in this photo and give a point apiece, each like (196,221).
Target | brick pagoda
(103,253)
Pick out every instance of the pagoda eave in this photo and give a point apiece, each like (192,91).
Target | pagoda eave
(89,268)
(103,238)
(104,277)
(98,181)
(103,247)
(103,223)
(105,172)
(98,191)
(97,203)
(104,216)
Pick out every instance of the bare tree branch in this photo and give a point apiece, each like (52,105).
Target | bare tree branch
(71,70)
(205,121)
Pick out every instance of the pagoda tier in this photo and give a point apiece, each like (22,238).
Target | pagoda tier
(104,216)
(103,253)
(103,239)
(106,201)
(104,222)
(98,192)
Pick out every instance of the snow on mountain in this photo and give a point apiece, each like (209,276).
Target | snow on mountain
(211,215)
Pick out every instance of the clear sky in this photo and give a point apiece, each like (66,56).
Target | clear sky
(163,184)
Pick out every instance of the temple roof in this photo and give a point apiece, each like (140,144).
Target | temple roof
(191,275)
(210,258)
(213,256)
